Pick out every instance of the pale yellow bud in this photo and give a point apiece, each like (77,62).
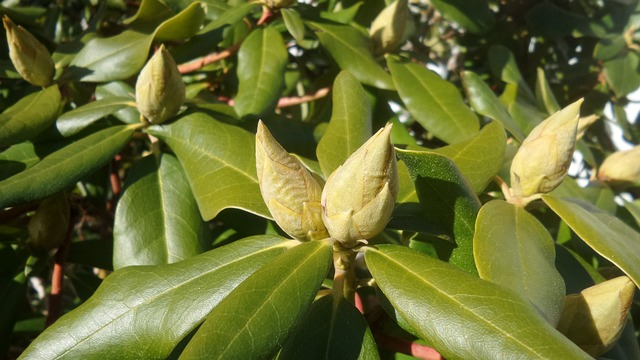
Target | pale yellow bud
(360,195)
(160,91)
(388,29)
(621,169)
(290,191)
(595,318)
(48,227)
(544,157)
(31,59)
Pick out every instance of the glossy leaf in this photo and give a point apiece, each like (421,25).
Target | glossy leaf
(544,94)
(128,115)
(462,316)
(254,320)
(219,161)
(261,63)
(480,158)
(350,124)
(231,16)
(486,103)
(474,16)
(113,58)
(603,232)
(435,103)
(150,13)
(79,118)
(351,50)
(294,24)
(622,73)
(513,249)
(17,158)
(447,201)
(169,301)
(29,116)
(331,330)
(634,209)
(157,219)
(183,25)
(63,168)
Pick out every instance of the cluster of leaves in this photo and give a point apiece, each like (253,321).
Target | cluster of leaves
(199,268)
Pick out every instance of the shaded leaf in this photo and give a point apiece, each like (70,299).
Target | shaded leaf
(513,249)
(475,16)
(157,219)
(622,73)
(219,161)
(231,16)
(603,232)
(183,25)
(79,118)
(435,103)
(480,158)
(486,103)
(169,301)
(351,50)
(29,116)
(17,158)
(254,320)
(462,316)
(331,330)
(128,115)
(350,124)
(447,201)
(261,63)
(504,65)
(63,168)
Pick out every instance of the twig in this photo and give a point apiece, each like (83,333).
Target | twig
(209,59)
(267,16)
(290,101)
(114,179)
(408,347)
(57,279)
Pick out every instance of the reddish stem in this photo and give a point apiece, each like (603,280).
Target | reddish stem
(209,59)
(408,347)
(114,179)
(290,101)
(267,16)
(57,280)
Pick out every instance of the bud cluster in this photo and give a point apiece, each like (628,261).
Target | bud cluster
(355,204)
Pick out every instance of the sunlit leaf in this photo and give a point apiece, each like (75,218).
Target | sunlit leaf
(29,116)
(79,118)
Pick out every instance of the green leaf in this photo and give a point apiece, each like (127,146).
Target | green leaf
(29,116)
(17,158)
(594,193)
(544,94)
(475,16)
(622,73)
(486,103)
(350,124)
(462,316)
(232,16)
(513,249)
(149,14)
(71,122)
(183,25)
(63,168)
(113,58)
(331,330)
(128,115)
(435,103)
(480,158)
(550,21)
(219,160)
(261,63)
(254,320)
(142,312)
(157,219)
(504,65)
(603,232)
(448,201)
(634,209)
(350,48)
(294,24)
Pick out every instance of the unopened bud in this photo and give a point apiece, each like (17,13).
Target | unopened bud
(160,91)
(290,191)
(360,195)
(544,157)
(31,59)
(48,227)
(595,318)
(388,29)
(621,169)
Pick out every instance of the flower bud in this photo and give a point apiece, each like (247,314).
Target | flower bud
(621,169)
(160,91)
(31,59)
(48,227)
(388,29)
(544,157)
(360,195)
(595,318)
(290,191)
